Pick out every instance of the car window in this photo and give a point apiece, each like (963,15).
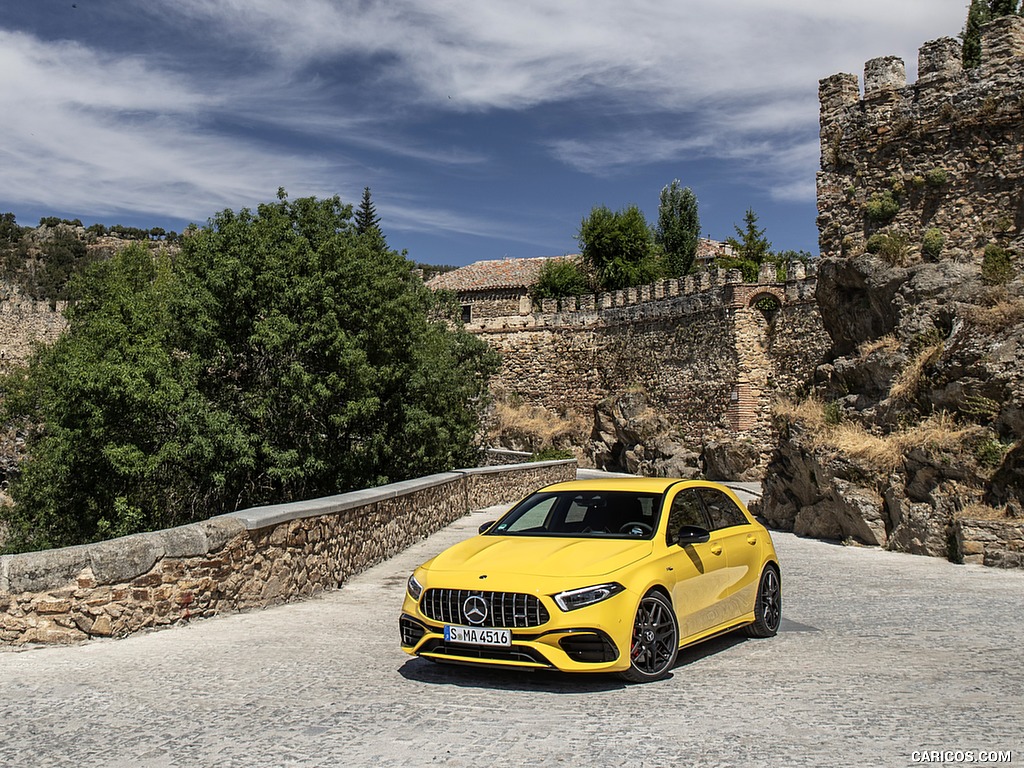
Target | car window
(618,514)
(721,509)
(534,516)
(686,510)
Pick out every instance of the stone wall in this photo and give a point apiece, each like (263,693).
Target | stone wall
(946,151)
(496,303)
(243,560)
(998,543)
(707,350)
(25,323)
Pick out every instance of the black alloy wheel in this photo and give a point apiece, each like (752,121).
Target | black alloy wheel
(768,606)
(655,641)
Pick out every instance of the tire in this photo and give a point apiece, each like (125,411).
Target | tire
(655,640)
(768,605)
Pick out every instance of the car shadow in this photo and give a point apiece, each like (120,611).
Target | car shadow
(550,681)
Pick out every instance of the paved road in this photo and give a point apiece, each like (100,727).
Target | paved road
(880,655)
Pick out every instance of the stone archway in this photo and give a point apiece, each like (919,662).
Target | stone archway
(755,308)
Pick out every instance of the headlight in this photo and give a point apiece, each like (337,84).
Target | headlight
(414,587)
(572,599)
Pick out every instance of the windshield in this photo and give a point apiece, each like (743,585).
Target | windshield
(583,514)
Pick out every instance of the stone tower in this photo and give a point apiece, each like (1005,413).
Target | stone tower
(940,159)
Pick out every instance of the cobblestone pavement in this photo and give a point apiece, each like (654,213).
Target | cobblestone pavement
(881,655)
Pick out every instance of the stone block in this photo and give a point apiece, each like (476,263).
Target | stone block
(220,530)
(47,606)
(43,571)
(183,541)
(120,560)
(972,548)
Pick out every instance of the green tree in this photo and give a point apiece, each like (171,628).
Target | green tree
(977,15)
(678,229)
(61,257)
(1003,7)
(618,247)
(558,278)
(751,247)
(10,232)
(366,219)
(106,396)
(281,356)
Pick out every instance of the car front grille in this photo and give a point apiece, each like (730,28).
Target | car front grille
(507,610)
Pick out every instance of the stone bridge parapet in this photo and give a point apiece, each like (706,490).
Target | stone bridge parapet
(247,559)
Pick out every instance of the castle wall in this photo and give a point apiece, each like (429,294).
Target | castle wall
(25,323)
(948,150)
(706,356)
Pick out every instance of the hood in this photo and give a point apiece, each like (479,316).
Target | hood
(541,555)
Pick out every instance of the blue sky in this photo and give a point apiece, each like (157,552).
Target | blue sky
(483,128)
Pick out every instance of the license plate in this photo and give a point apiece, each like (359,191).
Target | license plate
(477,636)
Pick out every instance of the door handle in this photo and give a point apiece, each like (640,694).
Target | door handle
(751,538)
(716,549)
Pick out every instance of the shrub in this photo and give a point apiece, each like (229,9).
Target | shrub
(996,265)
(882,207)
(990,451)
(558,278)
(891,246)
(833,413)
(936,177)
(931,244)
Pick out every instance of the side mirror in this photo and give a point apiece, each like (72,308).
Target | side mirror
(692,534)
(486,526)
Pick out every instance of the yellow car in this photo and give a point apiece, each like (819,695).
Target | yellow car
(611,575)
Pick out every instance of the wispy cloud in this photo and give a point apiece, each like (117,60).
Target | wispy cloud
(316,95)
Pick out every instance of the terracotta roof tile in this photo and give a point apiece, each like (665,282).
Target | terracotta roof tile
(491,275)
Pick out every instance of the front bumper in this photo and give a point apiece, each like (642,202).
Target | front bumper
(591,639)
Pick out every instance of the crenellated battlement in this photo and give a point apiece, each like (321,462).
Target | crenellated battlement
(677,298)
(944,153)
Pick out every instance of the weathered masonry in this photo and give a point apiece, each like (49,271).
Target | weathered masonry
(25,323)
(944,154)
(708,349)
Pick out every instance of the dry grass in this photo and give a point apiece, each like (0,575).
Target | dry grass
(810,412)
(979,511)
(1003,313)
(853,440)
(939,433)
(908,383)
(534,427)
(888,344)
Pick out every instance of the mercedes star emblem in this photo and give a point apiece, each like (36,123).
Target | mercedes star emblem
(475,609)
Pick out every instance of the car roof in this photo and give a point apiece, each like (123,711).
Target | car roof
(637,484)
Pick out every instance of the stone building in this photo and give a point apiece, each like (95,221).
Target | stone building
(493,288)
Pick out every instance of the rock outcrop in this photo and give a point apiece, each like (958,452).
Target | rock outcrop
(911,436)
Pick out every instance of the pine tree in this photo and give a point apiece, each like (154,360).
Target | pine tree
(751,247)
(366,218)
(977,15)
(1002,8)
